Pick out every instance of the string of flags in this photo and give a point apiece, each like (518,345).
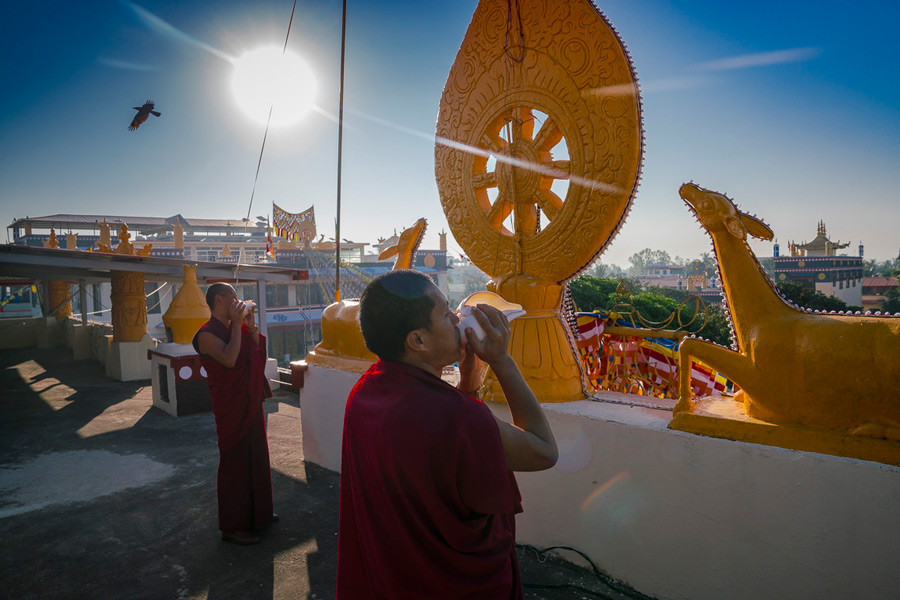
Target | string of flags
(17,294)
(638,365)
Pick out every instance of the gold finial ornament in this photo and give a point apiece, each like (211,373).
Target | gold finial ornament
(52,242)
(188,311)
(542,92)
(178,235)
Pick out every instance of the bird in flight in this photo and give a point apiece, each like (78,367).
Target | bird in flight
(142,113)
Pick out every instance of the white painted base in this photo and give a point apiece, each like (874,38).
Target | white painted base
(127,361)
(322,401)
(676,515)
(272,373)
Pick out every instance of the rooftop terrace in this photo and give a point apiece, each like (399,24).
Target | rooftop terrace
(103,496)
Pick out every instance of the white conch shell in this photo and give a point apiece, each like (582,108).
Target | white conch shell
(467,319)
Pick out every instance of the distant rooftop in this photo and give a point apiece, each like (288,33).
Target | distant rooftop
(141,225)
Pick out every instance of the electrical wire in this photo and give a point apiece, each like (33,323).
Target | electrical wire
(261,152)
(541,555)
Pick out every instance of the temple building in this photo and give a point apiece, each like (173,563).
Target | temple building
(293,310)
(818,266)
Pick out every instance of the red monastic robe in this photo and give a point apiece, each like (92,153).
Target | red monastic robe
(427,502)
(244,481)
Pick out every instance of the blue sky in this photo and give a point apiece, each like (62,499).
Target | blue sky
(791,108)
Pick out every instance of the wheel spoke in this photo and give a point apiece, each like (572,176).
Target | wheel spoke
(526,219)
(499,211)
(522,124)
(493,142)
(548,136)
(549,202)
(561,168)
(484,180)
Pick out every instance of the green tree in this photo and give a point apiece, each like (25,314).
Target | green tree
(892,302)
(657,306)
(599,269)
(640,260)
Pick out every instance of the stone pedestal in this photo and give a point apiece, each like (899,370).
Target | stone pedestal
(179,380)
(127,361)
(81,341)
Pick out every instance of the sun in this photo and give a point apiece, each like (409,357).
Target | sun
(267,77)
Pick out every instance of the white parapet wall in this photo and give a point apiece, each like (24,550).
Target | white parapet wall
(682,516)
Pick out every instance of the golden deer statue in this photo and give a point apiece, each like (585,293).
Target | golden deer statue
(342,346)
(831,377)
(406,247)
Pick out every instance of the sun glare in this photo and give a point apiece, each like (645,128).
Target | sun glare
(265,77)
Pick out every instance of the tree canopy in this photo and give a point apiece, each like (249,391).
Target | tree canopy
(656,306)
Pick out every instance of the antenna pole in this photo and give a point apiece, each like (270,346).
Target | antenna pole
(337,234)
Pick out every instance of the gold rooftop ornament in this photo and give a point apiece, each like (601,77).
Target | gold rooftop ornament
(821,382)
(188,311)
(342,346)
(542,91)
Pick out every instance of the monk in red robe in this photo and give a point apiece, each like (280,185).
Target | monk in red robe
(234,355)
(428,497)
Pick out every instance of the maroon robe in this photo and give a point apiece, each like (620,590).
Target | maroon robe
(244,481)
(427,502)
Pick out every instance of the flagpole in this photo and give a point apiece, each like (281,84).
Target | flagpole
(337,235)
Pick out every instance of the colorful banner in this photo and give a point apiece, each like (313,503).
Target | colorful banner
(17,294)
(638,365)
(294,227)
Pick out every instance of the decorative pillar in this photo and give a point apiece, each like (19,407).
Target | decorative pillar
(71,241)
(59,295)
(129,305)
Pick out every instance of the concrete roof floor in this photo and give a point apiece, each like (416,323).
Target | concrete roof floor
(104,496)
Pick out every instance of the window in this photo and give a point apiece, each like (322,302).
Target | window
(276,295)
(95,298)
(248,292)
(153,301)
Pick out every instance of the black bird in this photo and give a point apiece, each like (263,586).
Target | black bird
(142,113)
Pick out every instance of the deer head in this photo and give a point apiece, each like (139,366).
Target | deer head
(717,213)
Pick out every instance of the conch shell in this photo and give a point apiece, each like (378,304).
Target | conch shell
(467,319)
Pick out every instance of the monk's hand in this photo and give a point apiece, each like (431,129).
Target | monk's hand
(471,370)
(494,346)
(249,320)
(237,313)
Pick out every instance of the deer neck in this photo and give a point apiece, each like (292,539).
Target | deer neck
(750,295)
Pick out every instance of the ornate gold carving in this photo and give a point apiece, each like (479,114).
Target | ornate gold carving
(129,305)
(59,294)
(506,108)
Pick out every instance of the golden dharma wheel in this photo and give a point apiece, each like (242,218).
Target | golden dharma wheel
(537,158)
(539,138)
